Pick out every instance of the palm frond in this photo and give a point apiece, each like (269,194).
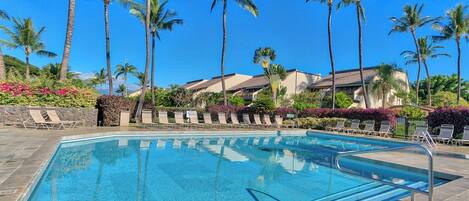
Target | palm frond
(249,5)
(46,53)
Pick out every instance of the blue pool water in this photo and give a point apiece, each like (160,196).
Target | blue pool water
(263,168)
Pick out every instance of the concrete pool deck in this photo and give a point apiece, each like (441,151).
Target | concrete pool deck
(24,153)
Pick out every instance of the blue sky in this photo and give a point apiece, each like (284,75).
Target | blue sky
(296,30)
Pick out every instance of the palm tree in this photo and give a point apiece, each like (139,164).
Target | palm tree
(160,19)
(456,28)
(329,33)
(409,22)
(141,79)
(68,40)
(427,50)
(360,16)
(264,56)
(99,77)
(386,82)
(138,113)
(25,37)
(122,90)
(246,4)
(3,15)
(124,70)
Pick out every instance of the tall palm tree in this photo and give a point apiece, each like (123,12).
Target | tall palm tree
(124,71)
(25,37)
(386,82)
(457,27)
(3,15)
(246,4)
(330,4)
(160,19)
(122,89)
(409,22)
(427,50)
(68,40)
(138,113)
(99,77)
(360,17)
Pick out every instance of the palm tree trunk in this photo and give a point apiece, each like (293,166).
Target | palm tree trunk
(384,98)
(360,54)
(153,70)
(429,83)
(2,67)
(108,45)
(417,82)
(27,74)
(68,40)
(459,70)
(225,100)
(331,56)
(125,82)
(138,113)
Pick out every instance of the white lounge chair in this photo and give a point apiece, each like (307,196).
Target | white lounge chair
(446,134)
(54,117)
(354,127)
(340,125)
(384,129)
(465,137)
(40,122)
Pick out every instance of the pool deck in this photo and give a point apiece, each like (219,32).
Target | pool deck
(24,153)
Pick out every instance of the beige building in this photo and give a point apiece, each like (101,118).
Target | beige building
(214,84)
(349,81)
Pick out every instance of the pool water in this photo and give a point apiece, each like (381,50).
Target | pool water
(266,168)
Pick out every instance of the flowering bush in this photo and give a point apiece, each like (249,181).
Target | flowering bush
(109,108)
(223,108)
(17,93)
(458,116)
(283,111)
(363,114)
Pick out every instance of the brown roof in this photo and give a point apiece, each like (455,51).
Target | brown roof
(347,78)
(257,81)
(192,83)
(211,82)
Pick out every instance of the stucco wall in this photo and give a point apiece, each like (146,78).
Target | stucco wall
(297,82)
(87,116)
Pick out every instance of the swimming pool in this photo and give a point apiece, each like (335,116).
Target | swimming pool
(200,168)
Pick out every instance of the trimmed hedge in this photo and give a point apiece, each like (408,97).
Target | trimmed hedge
(458,116)
(317,123)
(363,114)
(109,108)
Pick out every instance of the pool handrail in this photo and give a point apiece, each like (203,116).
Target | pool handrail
(427,152)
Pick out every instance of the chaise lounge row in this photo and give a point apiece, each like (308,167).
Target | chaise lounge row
(369,129)
(37,121)
(444,136)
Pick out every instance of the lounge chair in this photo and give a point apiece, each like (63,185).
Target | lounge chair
(124,118)
(369,128)
(257,121)
(465,137)
(194,119)
(208,120)
(278,121)
(147,118)
(222,119)
(247,120)
(54,117)
(340,125)
(179,118)
(419,133)
(446,134)
(40,122)
(354,127)
(235,121)
(267,120)
(384,129)
(163,119)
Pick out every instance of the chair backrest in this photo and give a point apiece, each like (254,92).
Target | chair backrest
(465,135)
(234,118)
(53,116)
(420,130)
(193,118)
(246,119)
(340,123)
(385,127)
(267,119)
(207,118)
(446,131)
(163,117)
(278,120)
(179,117)
(370,125)
(221,118)
(147,117)
(355,124)
(124,118)
(37,116)
(257,119)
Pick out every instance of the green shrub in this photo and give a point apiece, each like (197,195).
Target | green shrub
(306,100)
(236,101)
(447,99)
(263,103)
(317,123)
(342,100)
(412,113)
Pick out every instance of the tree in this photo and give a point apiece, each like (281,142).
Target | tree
(409,22)
(68,40)
(427,50)
(3,15)
(445,83)
(124,71)
(457,27)
(99,77)
(246,4)
(141,79)
(138,113)
(448,99)
(25,37)
(160,19)
(360,17)
(272,72)
(52,71)
(306,99)
(386,82)
(122,90)
(329,36)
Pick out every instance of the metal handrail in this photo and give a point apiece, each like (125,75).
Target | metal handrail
(427,152)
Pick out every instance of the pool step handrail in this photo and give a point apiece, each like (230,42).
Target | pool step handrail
(429,140)
(430,171)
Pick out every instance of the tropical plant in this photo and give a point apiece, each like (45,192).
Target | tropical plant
(99,77)
(53,71)
(237,101)
(386,82)
(329,36)
(342,100)
(457,27)
(124,71)
(275,73)
(141,79)
(427,50)
(306,100)
(446,83)
(122,90)
(409,22)
(412,113)
(263,103)
(264,56)
(3,15)
(446,99)
(180,96)
(246,4)
(68,40)
(360,17)
(25,37)
(160,19)
(208,98)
